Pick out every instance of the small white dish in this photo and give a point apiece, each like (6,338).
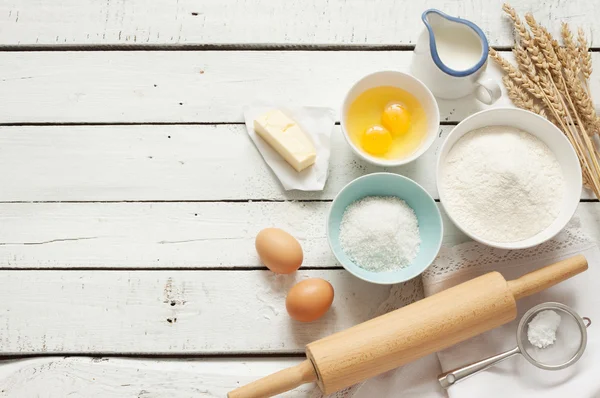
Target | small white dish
(407,83)
(318,123)
(547,133)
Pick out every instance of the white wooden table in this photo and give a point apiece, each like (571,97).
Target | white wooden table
(130,194)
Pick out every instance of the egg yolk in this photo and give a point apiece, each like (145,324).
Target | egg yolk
(376,140)
(396,118)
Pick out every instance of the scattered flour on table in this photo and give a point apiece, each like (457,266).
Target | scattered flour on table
(502,184)
(541,331)
(380,233)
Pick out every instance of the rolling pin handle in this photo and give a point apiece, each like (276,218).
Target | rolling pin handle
(277,383)
(543,278)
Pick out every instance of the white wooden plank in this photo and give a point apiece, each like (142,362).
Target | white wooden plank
(62,163)
(80,377)
(127,378)
(174,235)
(158,235)
(115,163)
(193,312)
(186,86)
(259,21)
(171,312)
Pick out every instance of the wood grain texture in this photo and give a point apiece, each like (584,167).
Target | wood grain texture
(404,335)
(100,163)
(175,312)
(186,86)
(544,278)
(175,235)
(129,378)
(149,235)
(171,312)
(82,377)
(128,22)
(154,163)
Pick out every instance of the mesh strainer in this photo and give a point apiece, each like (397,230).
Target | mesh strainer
(571,339)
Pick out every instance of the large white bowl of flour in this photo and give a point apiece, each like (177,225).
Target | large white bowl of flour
(508,178)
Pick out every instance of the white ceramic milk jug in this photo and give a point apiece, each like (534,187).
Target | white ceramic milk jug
(450,57)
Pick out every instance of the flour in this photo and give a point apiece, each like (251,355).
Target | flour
(502,184)
(541,331)
(380,233)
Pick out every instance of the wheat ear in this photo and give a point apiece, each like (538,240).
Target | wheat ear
(522,98)
(585,58)
(571,49)
(522,32)
(516,75)
(545,45)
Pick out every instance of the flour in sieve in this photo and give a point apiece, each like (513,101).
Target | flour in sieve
(541,331)
(502,184)
(380,233)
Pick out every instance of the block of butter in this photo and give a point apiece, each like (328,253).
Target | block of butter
(287,138)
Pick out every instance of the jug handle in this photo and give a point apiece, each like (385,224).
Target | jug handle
(488,91)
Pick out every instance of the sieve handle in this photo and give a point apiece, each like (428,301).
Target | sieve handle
(548,276)
(454,376)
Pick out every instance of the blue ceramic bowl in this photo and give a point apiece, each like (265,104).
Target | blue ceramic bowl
(388,184)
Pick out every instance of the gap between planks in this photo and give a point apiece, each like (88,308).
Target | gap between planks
(241,22)
(586,200)
(222,47)
(69,124)
(197,87)
(187,268)
(170,237)
(99,356)
(173,313)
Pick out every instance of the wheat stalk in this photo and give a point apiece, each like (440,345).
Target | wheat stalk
(573,66)
(569,88)
(551,80)
(560,92)
(543,90)
(585,59)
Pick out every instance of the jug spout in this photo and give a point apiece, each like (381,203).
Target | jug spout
(457,46)
(434,18)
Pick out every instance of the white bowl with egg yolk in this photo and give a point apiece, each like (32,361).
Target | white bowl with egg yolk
(405,82)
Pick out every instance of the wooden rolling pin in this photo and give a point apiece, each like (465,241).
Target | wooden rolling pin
(401,336)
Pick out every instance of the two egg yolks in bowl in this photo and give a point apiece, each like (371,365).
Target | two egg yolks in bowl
(386,122)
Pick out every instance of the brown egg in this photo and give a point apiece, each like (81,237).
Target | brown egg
(309,300)
(279,251)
